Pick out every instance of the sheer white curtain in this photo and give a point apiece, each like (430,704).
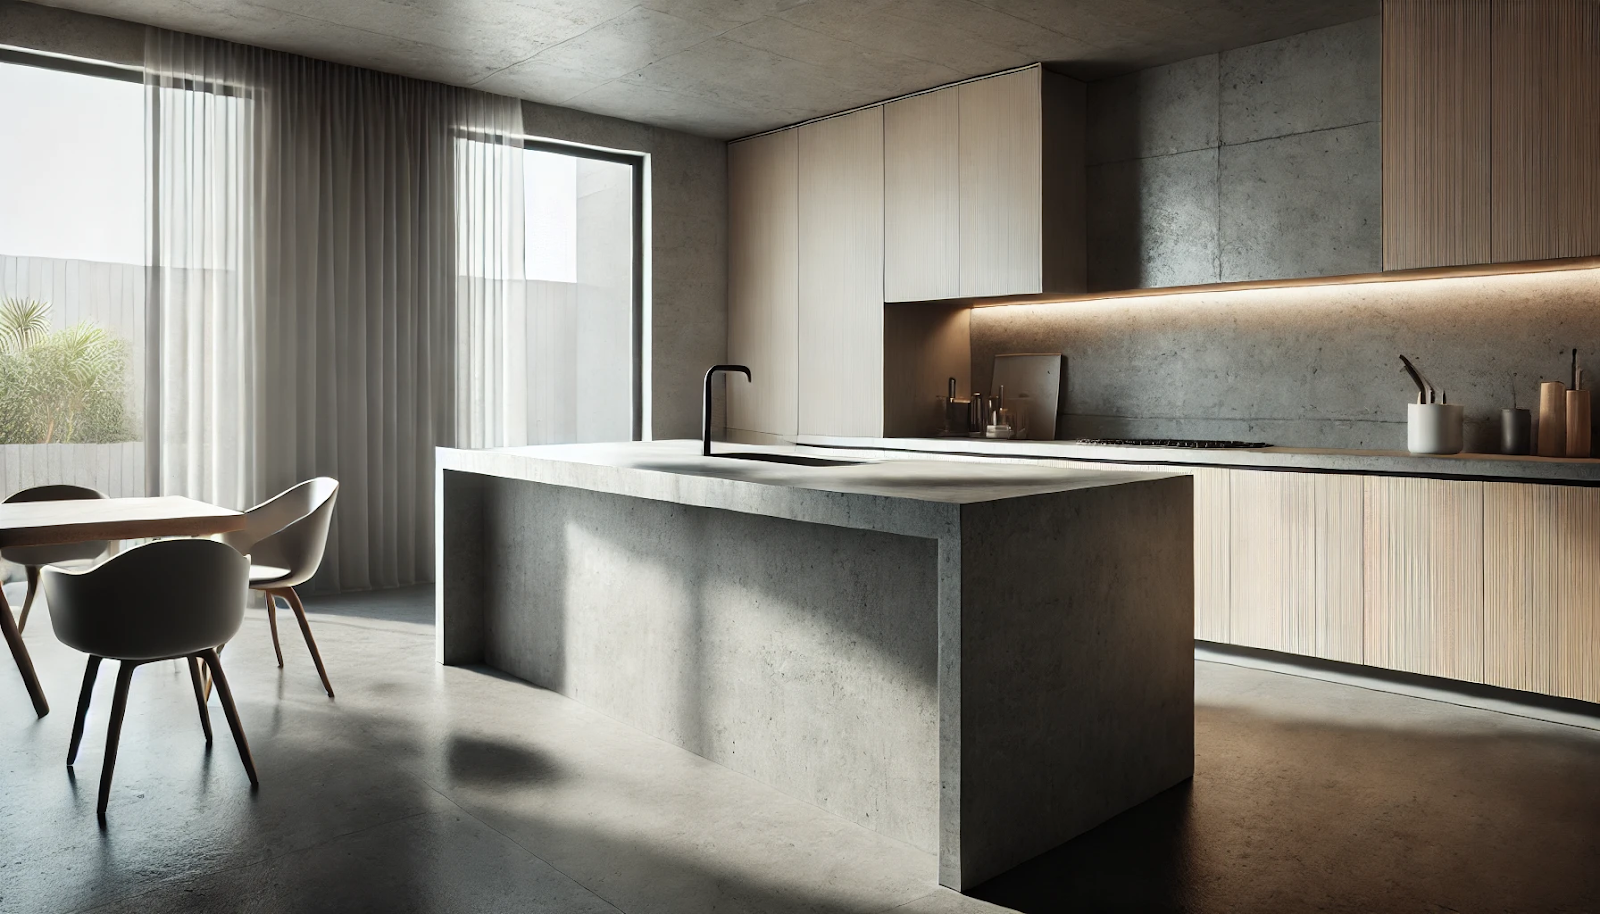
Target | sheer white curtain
(492,371)
(330,347)
(201,128)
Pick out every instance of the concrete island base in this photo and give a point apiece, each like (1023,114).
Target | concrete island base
(981,660)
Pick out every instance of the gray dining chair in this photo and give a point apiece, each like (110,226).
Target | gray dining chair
(168,600)
(284,538)
(32,558)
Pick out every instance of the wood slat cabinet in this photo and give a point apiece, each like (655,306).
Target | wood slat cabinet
(763,266)
(1424,576)
(840,305)
(1491,150)
(1296,563)
(1480,582)
(1546,136)
(1542,589)
(1436,133)
(1213,551)
(984,189)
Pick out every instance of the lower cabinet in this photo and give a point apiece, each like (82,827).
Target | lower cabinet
(1480,582)
(1213,548)
(1295,563)
(1542,589)
(1424,576)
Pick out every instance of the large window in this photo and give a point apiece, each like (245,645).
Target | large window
(550,293)
(582,266)
(72,277)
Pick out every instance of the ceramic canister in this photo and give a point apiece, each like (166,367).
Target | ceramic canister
(1433,428)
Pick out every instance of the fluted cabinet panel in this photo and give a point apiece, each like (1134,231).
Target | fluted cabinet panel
(1436,133)
(1509,543)
(1339,506)
(1424,576)
(840,310)
(1565,562)
(1212,565)
(1273,563)
(1542,589)
(922,197)
(1297,563)
(762,283)
(1546,77)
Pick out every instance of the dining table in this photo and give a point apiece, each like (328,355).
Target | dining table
(50,523)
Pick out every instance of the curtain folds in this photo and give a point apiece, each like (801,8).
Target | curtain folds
(307,285)
(491,320)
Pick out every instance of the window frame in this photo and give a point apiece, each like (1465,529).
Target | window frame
(46,60)
(639,163)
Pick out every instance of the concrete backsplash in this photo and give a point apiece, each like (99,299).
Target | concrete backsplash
(1309,366)
(1256,163)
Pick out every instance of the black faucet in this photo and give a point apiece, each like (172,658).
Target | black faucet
(705,412)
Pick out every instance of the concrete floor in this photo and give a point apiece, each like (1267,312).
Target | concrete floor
(425,788)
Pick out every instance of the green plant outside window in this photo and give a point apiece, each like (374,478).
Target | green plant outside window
(64,386)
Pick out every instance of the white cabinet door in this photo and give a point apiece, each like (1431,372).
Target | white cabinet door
(840,318)
(763,198)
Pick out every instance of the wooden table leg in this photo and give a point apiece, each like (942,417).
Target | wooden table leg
(19,652)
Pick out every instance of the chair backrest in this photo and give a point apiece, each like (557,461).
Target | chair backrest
(65,552)
(163,599)
(290,530)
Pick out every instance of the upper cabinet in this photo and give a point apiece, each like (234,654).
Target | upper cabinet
(971,191)
(983,189)
(922,197)
(1546,137)
(1491,150)
(1436,134)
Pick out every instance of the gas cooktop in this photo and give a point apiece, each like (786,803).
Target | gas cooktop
(1171,442)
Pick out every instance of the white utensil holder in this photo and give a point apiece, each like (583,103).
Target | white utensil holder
(1433,428)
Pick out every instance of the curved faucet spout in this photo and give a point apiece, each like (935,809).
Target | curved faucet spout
(705,411)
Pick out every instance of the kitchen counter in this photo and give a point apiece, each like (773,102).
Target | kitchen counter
(1492,467)
(982,659)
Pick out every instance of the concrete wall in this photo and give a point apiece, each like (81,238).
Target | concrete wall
(1310,367)
(688,251)
(44,28)
(1256,163)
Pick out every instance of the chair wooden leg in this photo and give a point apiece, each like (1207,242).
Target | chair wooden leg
(119,704)
(200,697)
(19,653)
(305,629)
(226,696)
(89,673)
(272,622)
(205,672)
(27,601)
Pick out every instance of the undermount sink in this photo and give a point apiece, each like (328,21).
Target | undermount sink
(791,459)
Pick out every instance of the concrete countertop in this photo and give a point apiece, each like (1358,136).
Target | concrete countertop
(660,469)
(1495,467)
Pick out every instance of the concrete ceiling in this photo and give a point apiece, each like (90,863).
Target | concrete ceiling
(727,68)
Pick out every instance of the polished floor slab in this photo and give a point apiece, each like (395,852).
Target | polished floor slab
(427,788)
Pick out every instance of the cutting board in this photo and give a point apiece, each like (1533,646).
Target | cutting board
(1033,382)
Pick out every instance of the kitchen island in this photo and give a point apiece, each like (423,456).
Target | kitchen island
(982,660)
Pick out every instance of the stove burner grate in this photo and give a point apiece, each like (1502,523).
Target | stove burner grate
(1172,442)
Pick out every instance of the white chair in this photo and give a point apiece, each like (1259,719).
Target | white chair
(162,601)
(33,558)
(284,538)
